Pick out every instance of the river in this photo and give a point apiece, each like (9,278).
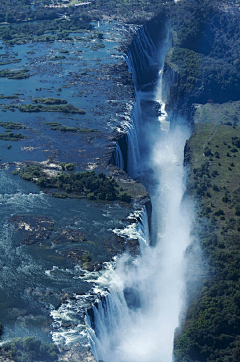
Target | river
(43,293)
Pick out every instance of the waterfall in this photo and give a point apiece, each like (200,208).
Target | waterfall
(142,55)
(136,321)
(134,155)
(119,161)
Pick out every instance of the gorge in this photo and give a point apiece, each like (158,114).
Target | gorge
(137,320)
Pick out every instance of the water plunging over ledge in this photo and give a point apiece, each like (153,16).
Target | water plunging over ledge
(136,321)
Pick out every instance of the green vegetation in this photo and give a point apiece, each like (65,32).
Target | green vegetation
(14,96)
(68,108)
(206,50)
(212,328)
(61,195)
(15,74)
(206,68)
(29,349)
(20,10)
(10,136)
(87,130)
(187,63)
(85,183)
(4,107)
(48,21)
(69,166)
(10,61)
(12,125)
(56,126)
(49,100)
(21,29)
(98,46)
(66,129)
(131,10)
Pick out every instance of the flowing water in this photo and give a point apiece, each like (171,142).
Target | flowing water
(42,292)
(136,321)
(35,277)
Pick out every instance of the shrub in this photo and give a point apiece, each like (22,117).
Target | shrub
(41,182)
(208,152)
(237,208)
(219,212)
(31,350)
(123,196)
(236,143)
(62,195)
(225,198)
(69,166)
(91,196)
(215,173)
(110,196)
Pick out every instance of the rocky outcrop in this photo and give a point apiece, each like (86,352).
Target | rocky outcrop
(187,153)
(76,353)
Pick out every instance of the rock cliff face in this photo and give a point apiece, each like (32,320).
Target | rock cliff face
(174,102)
(144,55)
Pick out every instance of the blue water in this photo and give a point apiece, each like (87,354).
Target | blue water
(79,79)
(24,267)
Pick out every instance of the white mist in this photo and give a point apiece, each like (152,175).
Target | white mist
(137,320)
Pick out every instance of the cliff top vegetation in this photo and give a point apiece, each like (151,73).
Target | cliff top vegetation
(206,51)
(16,11)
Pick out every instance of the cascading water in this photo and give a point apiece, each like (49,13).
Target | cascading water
(136,321)
(117,157)
(134,157)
